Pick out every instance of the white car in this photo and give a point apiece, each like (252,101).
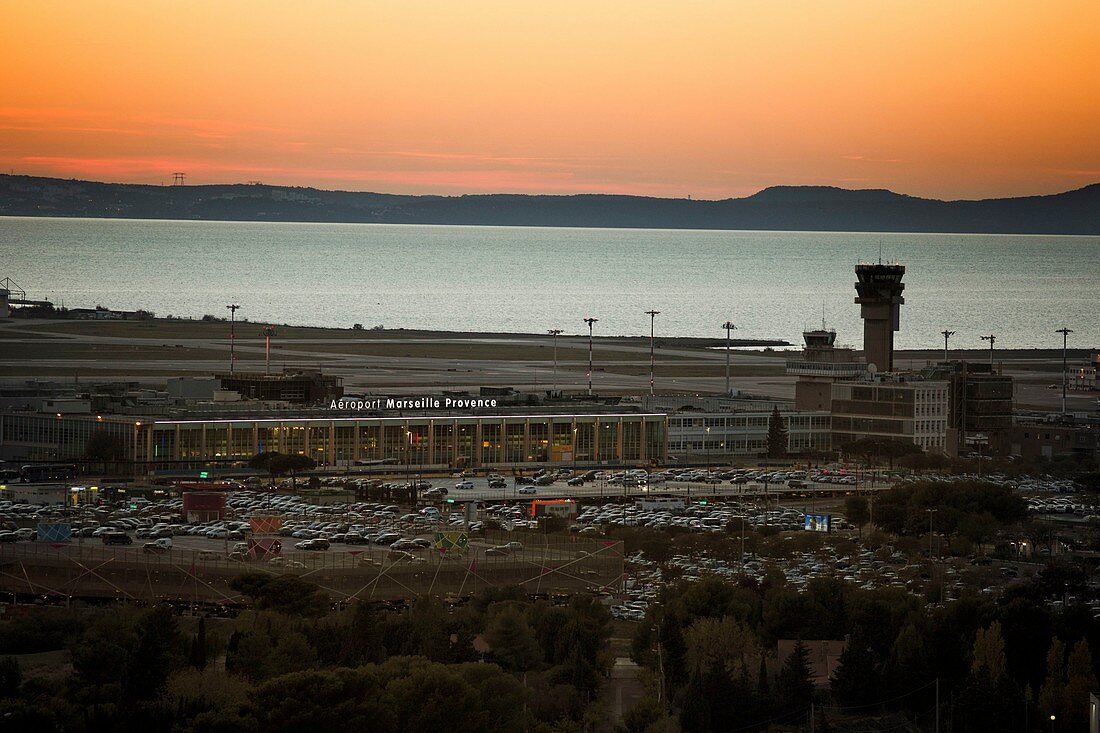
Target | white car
(527,490)
(464,485)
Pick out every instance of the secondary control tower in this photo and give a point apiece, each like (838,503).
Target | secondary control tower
(878,293)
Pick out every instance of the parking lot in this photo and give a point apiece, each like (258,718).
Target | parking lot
(394,533)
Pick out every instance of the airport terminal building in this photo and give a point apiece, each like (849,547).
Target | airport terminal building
(450,441)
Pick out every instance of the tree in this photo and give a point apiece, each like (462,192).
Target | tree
(988,700)
(286,594)
(276,464)
(1080,681)
(857,511)
(989,653)
(777,435)
(103,448)
(155,655)
(513,643)
(11,676)
(197,657)
(794,686)
(858,677)
(1053,692)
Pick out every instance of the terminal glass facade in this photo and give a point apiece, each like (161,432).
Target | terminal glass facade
(423,441)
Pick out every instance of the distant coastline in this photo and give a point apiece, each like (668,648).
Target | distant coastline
(781,208)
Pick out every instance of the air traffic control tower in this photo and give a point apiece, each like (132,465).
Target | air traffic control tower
(878,293)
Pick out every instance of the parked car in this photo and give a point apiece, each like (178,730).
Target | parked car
(117,538)
(157,547)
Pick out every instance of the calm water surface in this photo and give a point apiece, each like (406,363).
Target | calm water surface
(771,284)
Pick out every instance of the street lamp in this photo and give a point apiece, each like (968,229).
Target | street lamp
(652,317)
(555,332)
(590,321)
(946,335)
(232,332)
(930,513)
(992,339)
(574,450)
(728,325)
(1065,375)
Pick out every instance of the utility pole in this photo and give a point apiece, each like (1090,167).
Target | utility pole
(946,335)
(555,332)
(728,325)
(652,317)
(992,339)
(937,705)
(590,321)
(232,334)
(1065,373)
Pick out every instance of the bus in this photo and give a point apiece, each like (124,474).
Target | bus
(47,472)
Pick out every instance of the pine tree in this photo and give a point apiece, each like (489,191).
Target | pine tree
(857,680)
(793,687)
(777,435)
(197,657)
(513,642)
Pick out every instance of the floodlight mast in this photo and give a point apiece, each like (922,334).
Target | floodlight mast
(652,317)
(590,321)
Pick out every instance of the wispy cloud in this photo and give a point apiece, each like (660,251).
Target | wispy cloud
(869,159)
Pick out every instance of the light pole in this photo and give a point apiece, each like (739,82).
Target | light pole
(590,321)
(930,513)
(652,318)
(268,332)
(574,450)
(946,335)
(232,333)
(1065,374)
(728,325)
(555,332)
(992,339)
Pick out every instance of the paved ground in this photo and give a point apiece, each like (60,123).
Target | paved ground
(416,361)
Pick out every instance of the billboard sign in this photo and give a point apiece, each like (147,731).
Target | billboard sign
(451,541)
(55,533)
(265,524)
(817,522)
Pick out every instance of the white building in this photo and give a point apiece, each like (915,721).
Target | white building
(744,434)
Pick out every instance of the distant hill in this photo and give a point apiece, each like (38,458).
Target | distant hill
(792,208)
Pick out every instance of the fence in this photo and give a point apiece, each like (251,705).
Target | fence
(542,565)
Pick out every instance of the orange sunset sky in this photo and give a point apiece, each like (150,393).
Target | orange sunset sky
(952,99)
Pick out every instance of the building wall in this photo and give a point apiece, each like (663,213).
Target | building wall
(436,441)
(744,433)
(1034,441)
(912,410)
(813,395)
(47,437)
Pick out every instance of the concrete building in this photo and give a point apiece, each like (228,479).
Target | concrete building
(878,294)
(744,434)
(445,441)
(1086,376)
(980,404)
(907,407)
(191,388)
(301,387)
(1035,439)
(820,364)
